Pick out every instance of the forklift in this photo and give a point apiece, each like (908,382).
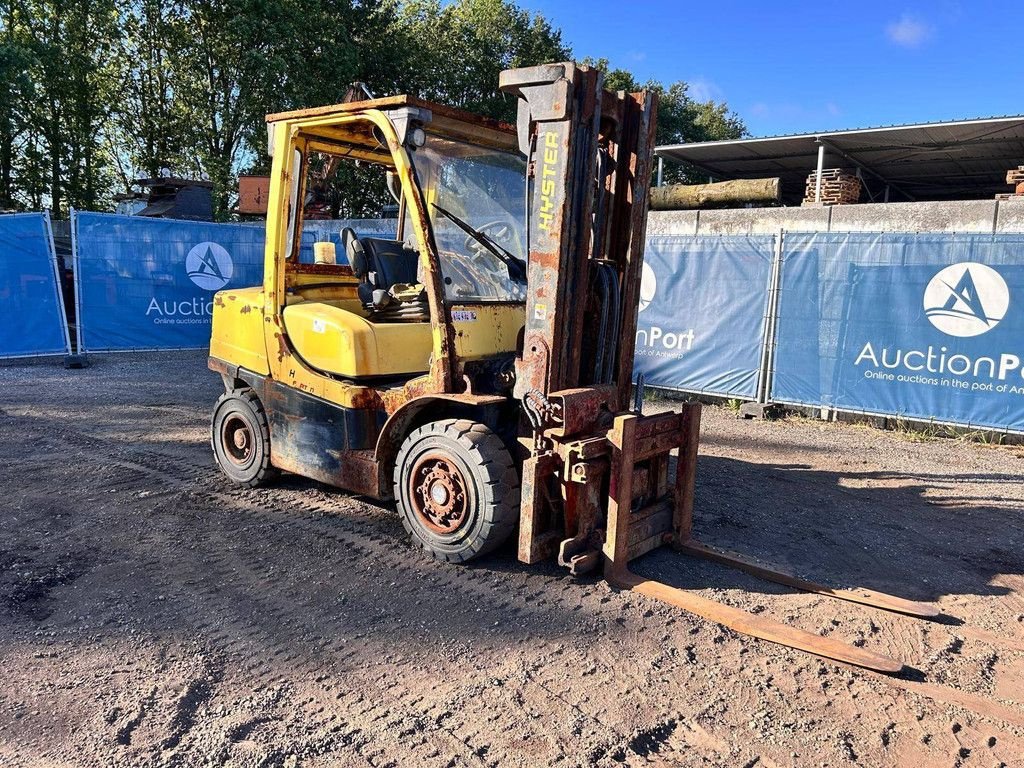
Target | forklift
(476,366)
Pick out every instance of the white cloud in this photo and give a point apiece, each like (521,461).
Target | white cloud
(908,32)
(702,89)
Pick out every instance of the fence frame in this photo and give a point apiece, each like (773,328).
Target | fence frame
(765,374)
(78,292)
(82,349)
(58,292)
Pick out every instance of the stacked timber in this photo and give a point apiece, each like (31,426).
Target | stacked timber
(1014,176)
(678,197)
(838,187)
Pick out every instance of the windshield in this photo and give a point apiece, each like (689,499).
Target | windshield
(486,189)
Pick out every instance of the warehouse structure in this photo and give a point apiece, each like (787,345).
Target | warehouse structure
(961,160)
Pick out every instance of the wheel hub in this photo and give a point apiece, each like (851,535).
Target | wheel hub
(439,495)
(237,440)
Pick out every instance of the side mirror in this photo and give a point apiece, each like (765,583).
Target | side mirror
(394,186)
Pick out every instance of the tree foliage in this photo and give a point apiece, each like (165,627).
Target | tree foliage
(454,52)
(95,93)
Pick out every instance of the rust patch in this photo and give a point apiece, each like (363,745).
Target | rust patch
(282,347)
(366,397)
(393,399)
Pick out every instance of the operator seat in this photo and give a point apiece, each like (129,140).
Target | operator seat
(379,264)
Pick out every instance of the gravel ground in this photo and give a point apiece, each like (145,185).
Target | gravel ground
(151,614)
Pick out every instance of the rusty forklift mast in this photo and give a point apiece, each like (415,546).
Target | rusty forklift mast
(596,487)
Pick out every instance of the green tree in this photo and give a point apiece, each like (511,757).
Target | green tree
(455,51)
(145,131)
(96,92)
(14,87)
(68,49)
(240,59)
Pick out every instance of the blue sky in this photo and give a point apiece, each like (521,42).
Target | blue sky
(795,67)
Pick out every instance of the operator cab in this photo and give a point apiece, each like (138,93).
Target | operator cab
(356,302)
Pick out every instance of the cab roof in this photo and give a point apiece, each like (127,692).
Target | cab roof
(445,120)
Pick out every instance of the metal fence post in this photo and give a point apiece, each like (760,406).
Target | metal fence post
(817,181)
(58,281)
(767,372)
(77,275)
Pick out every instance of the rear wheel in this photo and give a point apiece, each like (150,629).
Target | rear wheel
(240,436)
(457,489)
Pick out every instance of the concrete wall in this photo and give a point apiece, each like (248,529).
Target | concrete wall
(961,216)
(762,220)
(1004,216)
(672,222)
(1011,216)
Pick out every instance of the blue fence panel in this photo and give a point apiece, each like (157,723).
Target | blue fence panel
(923,326)
(703,306)
(149,283)
(32,321)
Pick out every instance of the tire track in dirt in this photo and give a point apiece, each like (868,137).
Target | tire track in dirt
(287,656)
(364,544)
(943,693)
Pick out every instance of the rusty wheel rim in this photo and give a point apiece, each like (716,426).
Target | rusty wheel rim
(439,493)
(237,440)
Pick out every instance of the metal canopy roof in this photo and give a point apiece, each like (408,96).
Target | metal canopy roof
(962,160)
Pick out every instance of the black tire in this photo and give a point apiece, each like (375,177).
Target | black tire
(240,436)
(436,462)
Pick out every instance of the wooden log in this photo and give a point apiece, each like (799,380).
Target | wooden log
(677,197)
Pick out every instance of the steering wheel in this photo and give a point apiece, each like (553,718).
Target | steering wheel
(499,231)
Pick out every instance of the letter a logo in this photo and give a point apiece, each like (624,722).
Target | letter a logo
(966,299)
(209,266)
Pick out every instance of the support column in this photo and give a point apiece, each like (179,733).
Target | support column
(817,176)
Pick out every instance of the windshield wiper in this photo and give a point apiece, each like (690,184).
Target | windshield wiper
(512,263)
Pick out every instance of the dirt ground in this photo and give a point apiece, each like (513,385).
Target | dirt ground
(153,614)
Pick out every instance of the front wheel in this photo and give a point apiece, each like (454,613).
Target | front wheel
(457,489)
(240,435)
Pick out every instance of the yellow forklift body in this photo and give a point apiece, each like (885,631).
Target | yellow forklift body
(343,342)
(238,329)
(334,335)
